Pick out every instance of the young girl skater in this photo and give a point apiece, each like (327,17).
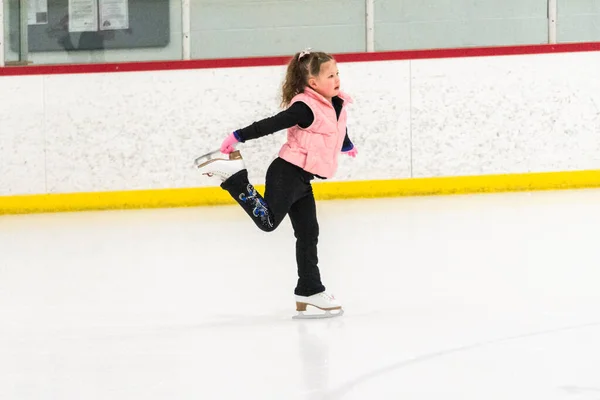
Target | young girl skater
(315,119)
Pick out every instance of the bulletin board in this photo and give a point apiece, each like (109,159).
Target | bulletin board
(71,25)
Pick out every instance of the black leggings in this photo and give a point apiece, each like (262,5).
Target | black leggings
(287,191)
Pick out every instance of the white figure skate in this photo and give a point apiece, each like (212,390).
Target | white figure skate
(213,164)
(322,301)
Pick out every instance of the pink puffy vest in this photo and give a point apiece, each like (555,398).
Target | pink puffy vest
(316,148)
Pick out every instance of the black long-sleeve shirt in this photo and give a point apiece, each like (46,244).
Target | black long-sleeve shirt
(298,113)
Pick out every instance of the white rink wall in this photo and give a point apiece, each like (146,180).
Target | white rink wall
(422,118)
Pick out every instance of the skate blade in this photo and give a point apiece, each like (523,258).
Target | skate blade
(209,157)
(326,314)
(206,158)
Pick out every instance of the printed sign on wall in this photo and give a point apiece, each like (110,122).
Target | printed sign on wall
(114,14)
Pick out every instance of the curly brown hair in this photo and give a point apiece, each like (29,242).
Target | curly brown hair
(298,72)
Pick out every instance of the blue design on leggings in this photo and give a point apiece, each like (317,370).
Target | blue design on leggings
(260,207)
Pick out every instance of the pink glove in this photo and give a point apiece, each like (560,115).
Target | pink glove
(228,144)
(352,153)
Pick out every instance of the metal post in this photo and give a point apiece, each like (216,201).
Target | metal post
(370,24)
(552,17)
(24,49)
(1,33)
(186,16)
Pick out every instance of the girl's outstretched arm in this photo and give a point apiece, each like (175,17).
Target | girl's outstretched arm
(297,114)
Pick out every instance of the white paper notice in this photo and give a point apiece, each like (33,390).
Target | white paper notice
(37,13)
(83,15)
(114,14)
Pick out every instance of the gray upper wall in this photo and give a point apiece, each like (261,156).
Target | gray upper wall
(240,28)
(419,24)
(578,21)
(247,28)
(232,28)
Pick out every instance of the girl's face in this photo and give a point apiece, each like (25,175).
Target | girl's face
(327,83)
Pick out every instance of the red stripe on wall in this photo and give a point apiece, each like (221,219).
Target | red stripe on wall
(274,61)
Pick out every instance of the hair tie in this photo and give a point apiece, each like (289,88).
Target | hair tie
(304,52)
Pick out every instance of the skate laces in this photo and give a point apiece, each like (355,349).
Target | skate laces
(327,296)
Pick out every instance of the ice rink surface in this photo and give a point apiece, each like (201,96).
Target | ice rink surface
(470,297)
